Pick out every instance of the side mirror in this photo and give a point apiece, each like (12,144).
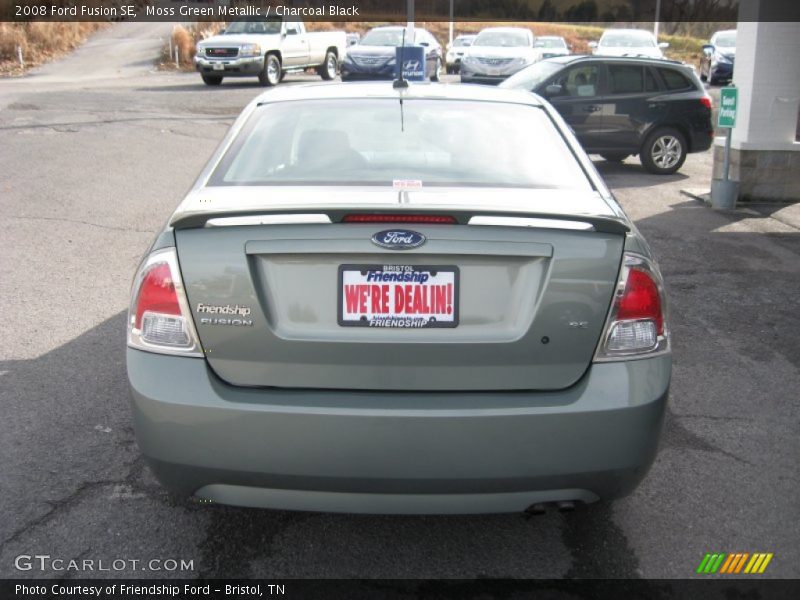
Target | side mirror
(221,31)
(592,44)
(663,45)
(353,42)
(708,49)
(553,90)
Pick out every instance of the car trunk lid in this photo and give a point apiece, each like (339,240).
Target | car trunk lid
(527,303)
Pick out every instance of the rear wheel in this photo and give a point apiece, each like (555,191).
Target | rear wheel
(330,67)
(664,151)
(212,79)
(271,74)
(437,70)
(615,157)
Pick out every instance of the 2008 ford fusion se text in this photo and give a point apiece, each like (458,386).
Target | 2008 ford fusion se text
(431,328)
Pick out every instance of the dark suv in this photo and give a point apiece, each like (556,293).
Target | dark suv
(617,107)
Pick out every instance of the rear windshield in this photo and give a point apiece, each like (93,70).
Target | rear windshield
(550,43)
(254,26)
(383,37)
(374,142)
(726,40)
(504,39)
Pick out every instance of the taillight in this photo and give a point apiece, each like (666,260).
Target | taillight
(400,218)
(159,319)
(636,323)
(706,101)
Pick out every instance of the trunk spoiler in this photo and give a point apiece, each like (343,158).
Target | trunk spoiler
(600,223)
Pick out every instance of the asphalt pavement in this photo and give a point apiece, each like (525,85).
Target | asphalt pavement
(97,150)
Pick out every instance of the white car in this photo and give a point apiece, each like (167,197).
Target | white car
(552,45)
(628,42)
(456,51)
(497,53)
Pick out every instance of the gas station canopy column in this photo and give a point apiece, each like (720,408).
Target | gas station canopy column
(765,150)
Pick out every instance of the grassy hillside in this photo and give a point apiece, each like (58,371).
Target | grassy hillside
(39,42)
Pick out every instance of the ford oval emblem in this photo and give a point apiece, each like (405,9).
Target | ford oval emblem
(398,239)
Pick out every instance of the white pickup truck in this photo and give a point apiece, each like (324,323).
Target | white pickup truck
(268,48)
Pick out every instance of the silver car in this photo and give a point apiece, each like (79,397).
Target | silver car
(497,53)
(356,308)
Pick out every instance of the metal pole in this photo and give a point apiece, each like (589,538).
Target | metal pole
(19,56)
(451,24)
(658,17)
(726,164)
(410,28)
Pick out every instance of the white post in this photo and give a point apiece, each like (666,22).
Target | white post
(451,24)
(658,17)
(177,56)
(410,27)
(19,56)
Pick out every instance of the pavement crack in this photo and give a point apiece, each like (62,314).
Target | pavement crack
(57,506)
(678,436)
(80,222)
(78,124)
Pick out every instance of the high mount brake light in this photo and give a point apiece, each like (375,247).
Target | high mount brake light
(159,319)
(636,324)
(400,218)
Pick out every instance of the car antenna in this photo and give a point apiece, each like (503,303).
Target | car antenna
(400,83)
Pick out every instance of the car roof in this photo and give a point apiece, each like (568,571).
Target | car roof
(397,27)
(384,89)
(509,29)
(627,30)
(658,62)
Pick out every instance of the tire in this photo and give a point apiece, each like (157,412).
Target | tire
(328,69)
(271,74)
(437,70)
(664,151)
(211,79)
(611,157)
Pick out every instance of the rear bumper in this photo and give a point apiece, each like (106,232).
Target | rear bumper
(378,452)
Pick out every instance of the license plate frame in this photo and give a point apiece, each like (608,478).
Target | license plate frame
(218,66)
(437,276)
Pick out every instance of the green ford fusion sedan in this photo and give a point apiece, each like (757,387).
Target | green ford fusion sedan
(399,300)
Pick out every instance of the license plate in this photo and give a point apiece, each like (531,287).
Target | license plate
(218,67)
(398,296)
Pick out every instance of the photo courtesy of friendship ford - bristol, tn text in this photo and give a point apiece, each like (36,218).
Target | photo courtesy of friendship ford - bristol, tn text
(414,298)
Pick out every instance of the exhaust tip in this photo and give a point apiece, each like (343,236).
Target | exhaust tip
(566,506)
(536,509)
